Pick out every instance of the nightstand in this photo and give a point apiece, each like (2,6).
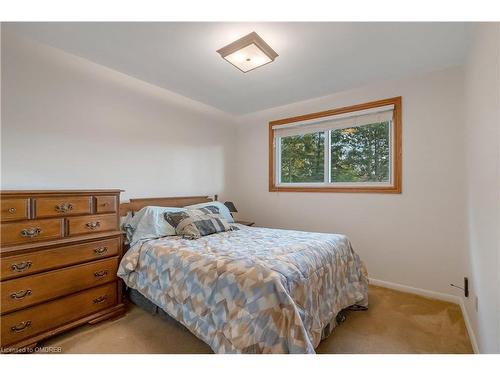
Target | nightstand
(244,222)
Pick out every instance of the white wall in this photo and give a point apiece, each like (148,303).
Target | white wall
(482,126)
(70,123)
(416,238)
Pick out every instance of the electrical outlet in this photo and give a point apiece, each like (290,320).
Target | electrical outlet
(476,303)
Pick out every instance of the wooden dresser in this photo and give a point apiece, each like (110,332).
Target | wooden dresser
(59,255)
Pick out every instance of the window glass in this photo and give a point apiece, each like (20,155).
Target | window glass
(303,158)
(361,154)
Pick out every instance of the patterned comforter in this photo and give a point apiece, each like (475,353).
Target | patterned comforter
(253,290)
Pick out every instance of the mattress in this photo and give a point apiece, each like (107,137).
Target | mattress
(253,290)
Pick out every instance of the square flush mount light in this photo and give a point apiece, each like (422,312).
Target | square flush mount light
(248,53)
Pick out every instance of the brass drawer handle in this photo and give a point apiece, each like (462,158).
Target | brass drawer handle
(21,326)
(30,232)
(93,225)
(21,294)
(64,207)
(20,267)
(100,273)
(100,299)
(12,210)
(101,250)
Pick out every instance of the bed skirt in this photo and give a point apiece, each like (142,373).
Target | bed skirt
(144,303)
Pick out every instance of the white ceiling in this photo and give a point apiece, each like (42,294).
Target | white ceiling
(315,59)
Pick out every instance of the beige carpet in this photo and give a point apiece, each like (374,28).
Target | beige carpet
(395,322)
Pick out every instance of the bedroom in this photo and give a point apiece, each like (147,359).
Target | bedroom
(236,187)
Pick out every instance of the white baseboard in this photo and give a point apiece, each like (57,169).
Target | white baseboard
(468,325)
(418,291)
(435,295)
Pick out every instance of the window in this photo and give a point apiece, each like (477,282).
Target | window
(352,149)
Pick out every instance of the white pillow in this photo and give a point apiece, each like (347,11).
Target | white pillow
(224,211)
(149,222)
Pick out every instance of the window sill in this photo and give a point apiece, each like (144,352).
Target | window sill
(337,189)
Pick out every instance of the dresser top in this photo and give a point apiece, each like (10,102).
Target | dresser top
(60,192)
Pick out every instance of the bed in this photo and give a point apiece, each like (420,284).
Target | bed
(250,290)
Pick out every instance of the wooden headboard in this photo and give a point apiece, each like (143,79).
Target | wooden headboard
(136,204)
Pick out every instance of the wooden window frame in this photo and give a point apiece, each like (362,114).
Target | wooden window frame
(396,166)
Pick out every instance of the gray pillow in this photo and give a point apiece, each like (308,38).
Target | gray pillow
(194,224)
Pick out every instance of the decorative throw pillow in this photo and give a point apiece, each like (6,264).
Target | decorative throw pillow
(210,210)
(174,218)
(193,224)
(223,210)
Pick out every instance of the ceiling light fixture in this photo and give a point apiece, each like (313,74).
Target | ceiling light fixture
(248,53)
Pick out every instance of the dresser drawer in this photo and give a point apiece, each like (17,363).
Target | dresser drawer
(29,290)
(38,319)
(37,261)
(105,203)
(92,224)
(31,231)
(62,206)
(15,209)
